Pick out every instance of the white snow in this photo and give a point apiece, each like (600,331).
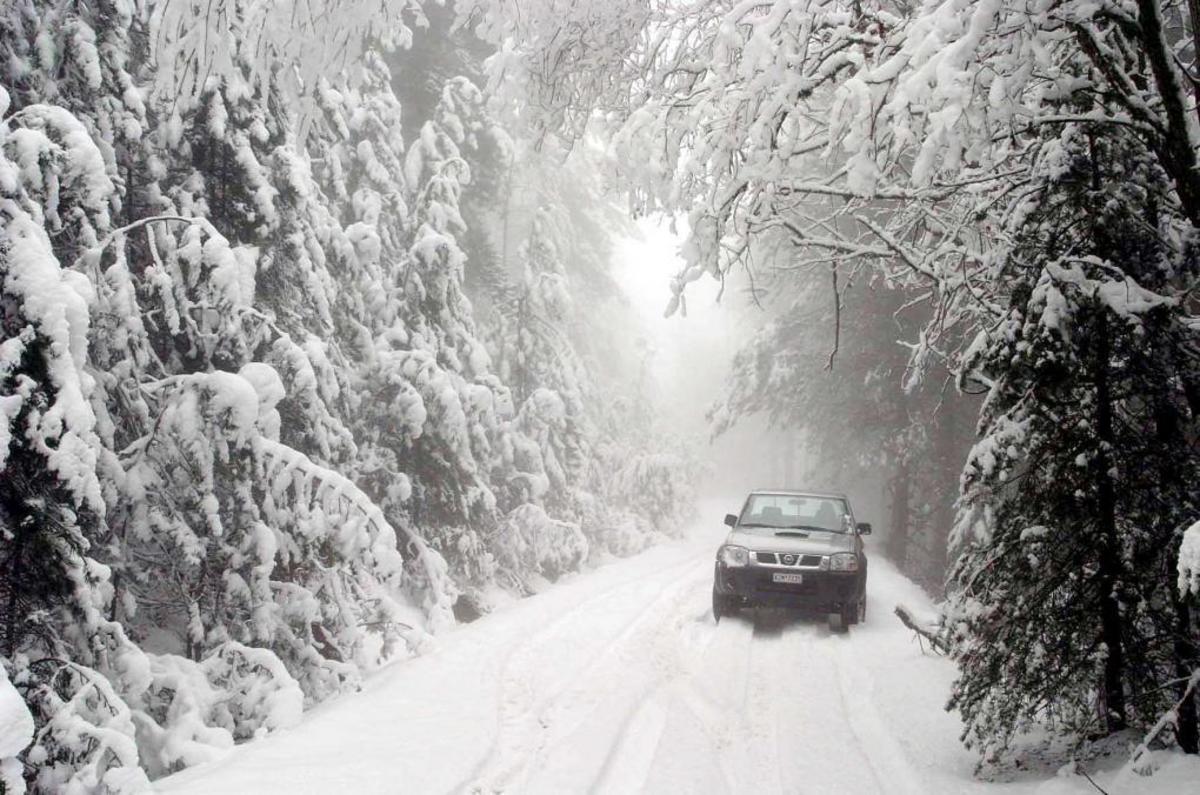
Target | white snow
(1189,561)
(16,732)
(618,680)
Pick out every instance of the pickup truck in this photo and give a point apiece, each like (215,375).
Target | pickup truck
(794,549)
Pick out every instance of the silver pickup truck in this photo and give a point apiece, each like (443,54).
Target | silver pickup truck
(797,550)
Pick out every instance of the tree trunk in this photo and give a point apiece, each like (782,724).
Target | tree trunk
(898,526)
(14,584)
(1173,145)
(948,457)
(1168,428)
(789,460)
(1111,621)
(1194,20)
(1187,727)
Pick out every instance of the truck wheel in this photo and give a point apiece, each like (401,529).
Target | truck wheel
(849,615)
(837,622)
(856,613)
(719,608)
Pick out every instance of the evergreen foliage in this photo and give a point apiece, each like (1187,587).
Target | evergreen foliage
(253,443)
(1076,494)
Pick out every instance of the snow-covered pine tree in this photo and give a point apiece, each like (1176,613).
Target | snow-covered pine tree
(415,417)
(212,527)
(1075,495)
(531,351)
(534,355)
(362,170)
(268,297)
(543,228)
(56,198)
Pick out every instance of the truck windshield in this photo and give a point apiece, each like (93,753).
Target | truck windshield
(793,512)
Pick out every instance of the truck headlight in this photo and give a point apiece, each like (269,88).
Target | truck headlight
(843,561)
(733,556)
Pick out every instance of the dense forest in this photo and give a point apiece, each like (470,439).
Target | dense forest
(311,345)
(303,356)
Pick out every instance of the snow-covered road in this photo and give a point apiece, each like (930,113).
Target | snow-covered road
(619,681)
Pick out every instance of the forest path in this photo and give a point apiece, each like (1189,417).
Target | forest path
(618,680)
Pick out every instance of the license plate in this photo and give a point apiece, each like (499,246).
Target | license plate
(794,579)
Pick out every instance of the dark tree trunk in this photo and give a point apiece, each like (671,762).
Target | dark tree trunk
(948,454)
(1187,728)
(14,574)
(1169,428)
(1173,144)
(899,489)
(789,460)
(1111,621)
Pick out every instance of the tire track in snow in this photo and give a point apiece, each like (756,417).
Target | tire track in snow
(521,710)
(882,751)
(629,760)
(539,637)
(761,718)
(652,639)
(813,744)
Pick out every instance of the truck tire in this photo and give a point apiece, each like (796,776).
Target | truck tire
(720,606)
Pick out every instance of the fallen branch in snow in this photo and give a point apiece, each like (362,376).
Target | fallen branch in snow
(1137,762)
(1079,770)
(930,634)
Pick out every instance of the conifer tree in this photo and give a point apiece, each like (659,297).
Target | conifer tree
(1082,479)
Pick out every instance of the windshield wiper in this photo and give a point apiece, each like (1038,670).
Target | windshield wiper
(754,524)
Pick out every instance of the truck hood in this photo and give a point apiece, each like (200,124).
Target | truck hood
(817,543)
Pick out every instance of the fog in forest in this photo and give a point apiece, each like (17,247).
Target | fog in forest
(573,396)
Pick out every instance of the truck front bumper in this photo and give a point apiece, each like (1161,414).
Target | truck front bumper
(756,586)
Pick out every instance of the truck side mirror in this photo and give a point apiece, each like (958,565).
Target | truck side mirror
(864,528)
(730,519)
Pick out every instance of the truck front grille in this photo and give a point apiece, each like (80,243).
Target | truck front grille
(788,559)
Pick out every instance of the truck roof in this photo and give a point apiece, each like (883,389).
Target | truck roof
(802,493)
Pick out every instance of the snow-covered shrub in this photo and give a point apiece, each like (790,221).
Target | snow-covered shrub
(176,724)
(194,520)
(658,487)
(85,737)
(428,582)
(624,533)
(531,542)
(258,694)
(339,575)
(607,528)
(191,712)
(16,733)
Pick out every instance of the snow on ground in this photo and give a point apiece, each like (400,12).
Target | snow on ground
(618,681)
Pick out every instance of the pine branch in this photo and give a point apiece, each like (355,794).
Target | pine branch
(936,640)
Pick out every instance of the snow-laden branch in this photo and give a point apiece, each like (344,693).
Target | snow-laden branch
(286,45)
(332,486)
